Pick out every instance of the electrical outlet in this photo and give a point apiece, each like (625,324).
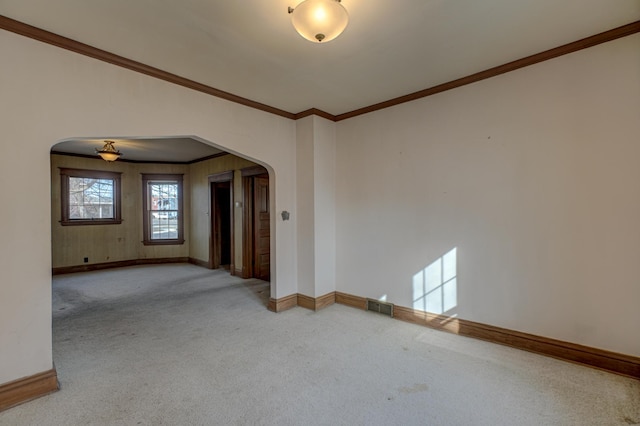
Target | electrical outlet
(86,260)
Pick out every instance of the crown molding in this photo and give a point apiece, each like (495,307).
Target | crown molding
(48,37)
(315,111)
(565,49)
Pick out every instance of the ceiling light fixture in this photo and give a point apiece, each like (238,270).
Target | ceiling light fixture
(108,152)
(319,20)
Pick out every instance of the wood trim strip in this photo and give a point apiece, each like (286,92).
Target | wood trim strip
(610,361)
(44,36)
(575,46)
(284,303)
(28,388)
(351,300)
(306,302)
(315,111)
(326,300)
(317,303)
(613,362)
(118,264)
(247,227)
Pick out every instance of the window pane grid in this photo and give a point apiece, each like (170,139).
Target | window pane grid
(91,198)
(163,211)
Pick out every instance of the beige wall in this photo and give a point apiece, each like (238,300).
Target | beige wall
(200,229)
(49,95)
(533,176)
(316,185)
(305,232)
(111,243)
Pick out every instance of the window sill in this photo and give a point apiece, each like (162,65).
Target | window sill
(163,242)
(82,222)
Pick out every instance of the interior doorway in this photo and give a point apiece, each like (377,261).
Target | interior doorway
(256,245)
(221,251)
(210,222)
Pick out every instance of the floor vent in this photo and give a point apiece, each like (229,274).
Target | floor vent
(381,307)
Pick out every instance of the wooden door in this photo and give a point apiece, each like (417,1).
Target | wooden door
(261,228)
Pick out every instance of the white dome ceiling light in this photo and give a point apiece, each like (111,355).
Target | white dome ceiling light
(319,21)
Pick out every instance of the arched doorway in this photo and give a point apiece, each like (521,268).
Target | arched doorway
(225,212)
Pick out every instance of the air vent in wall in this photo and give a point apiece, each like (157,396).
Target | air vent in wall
(381,307)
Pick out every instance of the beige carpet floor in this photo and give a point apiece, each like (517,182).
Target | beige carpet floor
(183,345)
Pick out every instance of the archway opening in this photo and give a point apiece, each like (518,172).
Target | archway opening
(213,215)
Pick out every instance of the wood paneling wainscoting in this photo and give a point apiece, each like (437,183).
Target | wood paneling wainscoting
(28,388)
(613,362)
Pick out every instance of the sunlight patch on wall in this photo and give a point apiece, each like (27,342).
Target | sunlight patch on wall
(435,287)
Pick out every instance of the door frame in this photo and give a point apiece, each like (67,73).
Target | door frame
(248,254)
(214,248)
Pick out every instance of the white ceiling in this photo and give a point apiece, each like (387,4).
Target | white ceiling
(390,47)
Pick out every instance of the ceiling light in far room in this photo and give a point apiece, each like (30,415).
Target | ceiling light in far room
(108,152)
(319,20)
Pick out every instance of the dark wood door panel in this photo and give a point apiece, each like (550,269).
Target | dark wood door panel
(262,234)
